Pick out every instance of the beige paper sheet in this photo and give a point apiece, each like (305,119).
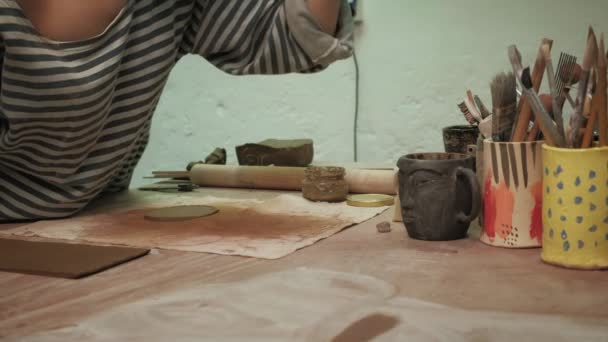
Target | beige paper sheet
(267,229)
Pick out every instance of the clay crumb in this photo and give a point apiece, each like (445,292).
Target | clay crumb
(383,227)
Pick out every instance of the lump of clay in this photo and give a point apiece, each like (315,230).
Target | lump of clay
(298,153)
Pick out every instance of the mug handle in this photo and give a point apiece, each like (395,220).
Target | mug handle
(476,203)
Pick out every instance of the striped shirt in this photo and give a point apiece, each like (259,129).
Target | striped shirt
(75,116)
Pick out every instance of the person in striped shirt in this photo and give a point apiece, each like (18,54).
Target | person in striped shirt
(80,80)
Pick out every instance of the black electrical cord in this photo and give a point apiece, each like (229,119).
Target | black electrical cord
(356,119)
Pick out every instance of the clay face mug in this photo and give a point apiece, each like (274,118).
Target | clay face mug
(439,195)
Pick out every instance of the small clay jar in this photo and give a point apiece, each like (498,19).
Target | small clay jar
(324,184)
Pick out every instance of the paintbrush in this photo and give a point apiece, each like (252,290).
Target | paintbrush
(525,113)
(552,136)
(504,103)
(600,93)
(482,107)
(577,120)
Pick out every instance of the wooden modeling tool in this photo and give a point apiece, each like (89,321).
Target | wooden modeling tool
(504,103)
(577,120)
(600,93)
(469,101)
(523,77)
(524,116)
(467,114)
(556,107)
(482,108)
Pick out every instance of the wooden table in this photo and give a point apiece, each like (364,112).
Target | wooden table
(357,283)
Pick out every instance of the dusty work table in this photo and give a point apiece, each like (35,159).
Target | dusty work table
(356,283)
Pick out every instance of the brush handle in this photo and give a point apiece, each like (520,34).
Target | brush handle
(525,114)
(577,119)
(555,103)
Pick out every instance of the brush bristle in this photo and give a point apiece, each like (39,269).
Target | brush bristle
(503,88)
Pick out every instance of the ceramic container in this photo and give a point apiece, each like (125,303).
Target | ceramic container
(512,194)
(324,184)
(439,195)
(575,207)
(456,139)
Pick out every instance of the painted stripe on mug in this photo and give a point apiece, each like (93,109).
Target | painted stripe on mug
(513,162)
(524,163)
(533,147)
(504,159)
(493,151)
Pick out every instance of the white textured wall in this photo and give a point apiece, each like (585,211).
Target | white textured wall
(416,57)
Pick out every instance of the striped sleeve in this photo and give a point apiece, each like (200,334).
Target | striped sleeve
(266,36)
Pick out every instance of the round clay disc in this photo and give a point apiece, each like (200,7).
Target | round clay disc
(370,200)
(180,213)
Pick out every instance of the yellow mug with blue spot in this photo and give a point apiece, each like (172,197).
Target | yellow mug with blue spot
(575,207)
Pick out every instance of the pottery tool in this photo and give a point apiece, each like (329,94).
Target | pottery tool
(556,108)
(482,107)
(180,213)
(552,136)
(577,120)
(600,93)
(485,127)
(504,102)
(370,200)
(566,76)
(469,102)
(360,181)
(524,115)
(547,102)
(467,114)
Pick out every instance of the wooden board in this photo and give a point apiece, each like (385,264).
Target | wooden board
(507,289)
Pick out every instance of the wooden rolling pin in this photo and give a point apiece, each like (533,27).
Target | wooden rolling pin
(360,181)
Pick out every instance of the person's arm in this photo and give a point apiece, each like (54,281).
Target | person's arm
(326,12)
(270,36)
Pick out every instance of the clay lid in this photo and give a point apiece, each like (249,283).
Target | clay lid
(324,172)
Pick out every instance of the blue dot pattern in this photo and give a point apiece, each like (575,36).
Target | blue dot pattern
(593,229)
(551,233)
(560,186)
(558,170)
(578,200)
(592,207)
(566,246)
(564,235)
(547,171)
(592,174)
(550,213)
(577,182)
(563,218)
(581,244)
(579,219)
(592,189)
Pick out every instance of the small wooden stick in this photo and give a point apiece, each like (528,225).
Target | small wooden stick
(577,120)
(588,136)
(525,114)
(600,93)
